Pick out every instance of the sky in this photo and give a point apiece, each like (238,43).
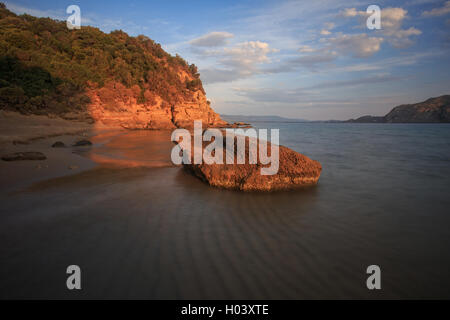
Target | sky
(314,60)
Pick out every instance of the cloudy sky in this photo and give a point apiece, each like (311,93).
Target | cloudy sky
(315,60)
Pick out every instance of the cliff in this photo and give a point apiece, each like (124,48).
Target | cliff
(116,105)
(86,74)
(433,110)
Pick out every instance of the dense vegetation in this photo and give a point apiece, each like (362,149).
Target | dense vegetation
(46,68)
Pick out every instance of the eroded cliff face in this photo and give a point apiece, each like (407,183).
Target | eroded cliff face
(116,105)
(196,108)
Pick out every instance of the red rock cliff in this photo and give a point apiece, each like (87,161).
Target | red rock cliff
(116,105)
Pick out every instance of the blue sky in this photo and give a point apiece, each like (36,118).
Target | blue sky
(301,59)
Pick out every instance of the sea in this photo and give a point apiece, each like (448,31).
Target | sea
(383,199)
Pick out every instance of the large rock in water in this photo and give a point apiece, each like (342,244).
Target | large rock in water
(295,170)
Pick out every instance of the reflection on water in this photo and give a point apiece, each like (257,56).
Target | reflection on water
(139,148)
(139,232)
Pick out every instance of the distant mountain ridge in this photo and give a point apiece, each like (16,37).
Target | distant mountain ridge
(433,110)
(250,119)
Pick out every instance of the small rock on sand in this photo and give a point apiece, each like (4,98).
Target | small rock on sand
(82,143)
(31,155)
(58,144)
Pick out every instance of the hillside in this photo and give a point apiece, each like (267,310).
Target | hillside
(86,74)
(433,110)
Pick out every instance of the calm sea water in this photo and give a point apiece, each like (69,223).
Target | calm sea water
(383,198)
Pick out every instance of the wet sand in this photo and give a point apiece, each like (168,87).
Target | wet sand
(137,148)
(112,147)
(23,129)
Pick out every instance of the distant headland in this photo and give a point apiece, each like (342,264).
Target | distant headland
(433,110)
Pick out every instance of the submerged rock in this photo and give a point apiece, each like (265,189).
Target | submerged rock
(58,144)
(294,170)
(82,143)
(31,155)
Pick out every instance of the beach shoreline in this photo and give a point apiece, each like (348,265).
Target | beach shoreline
(111,147)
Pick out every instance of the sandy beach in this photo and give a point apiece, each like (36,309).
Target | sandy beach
(112,147)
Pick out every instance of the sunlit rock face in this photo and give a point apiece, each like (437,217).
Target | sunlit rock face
(116,105)
(196,108)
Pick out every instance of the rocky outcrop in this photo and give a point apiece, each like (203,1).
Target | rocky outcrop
(295,170)
(433,110)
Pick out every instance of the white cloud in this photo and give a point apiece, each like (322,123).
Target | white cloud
(330,25)
(438,11)
(239,61)
(352,12)
(392,62)
(316,57)
(306,49)
(327,27)
(401,38)
(312,93)
(359,45)
(391,25)
(392,18)
(247,54)
(356,45)
(212,39)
